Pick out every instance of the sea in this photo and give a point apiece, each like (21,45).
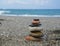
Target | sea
(30,12)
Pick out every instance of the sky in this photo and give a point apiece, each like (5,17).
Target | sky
(29,4)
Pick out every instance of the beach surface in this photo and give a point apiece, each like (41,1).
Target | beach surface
(13,29)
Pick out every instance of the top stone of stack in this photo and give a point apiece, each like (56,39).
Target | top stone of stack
(35,22)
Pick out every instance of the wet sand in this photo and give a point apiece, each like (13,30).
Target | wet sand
(14,29)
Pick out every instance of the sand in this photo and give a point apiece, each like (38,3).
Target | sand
(14,29)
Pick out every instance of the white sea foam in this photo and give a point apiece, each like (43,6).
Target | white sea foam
(39,15)
(2,12)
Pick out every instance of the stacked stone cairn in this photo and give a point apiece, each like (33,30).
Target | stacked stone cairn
(36,33)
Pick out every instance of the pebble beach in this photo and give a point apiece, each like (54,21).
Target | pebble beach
(13,29)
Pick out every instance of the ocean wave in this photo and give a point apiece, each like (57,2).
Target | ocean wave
(3,12)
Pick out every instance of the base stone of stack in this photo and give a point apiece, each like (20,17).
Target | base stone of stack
(33,38)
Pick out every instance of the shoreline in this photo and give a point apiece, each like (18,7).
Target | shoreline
(27,15)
